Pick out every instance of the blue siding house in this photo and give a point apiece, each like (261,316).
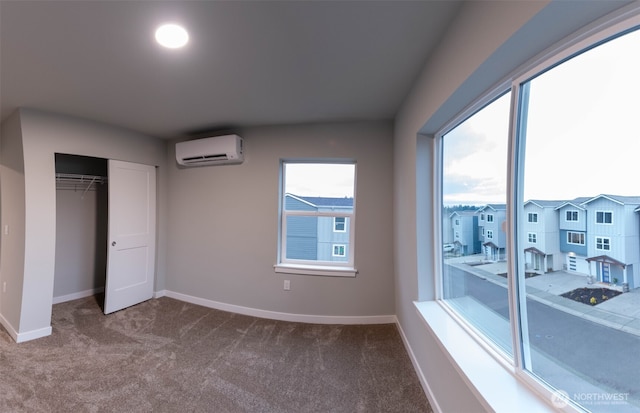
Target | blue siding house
(464,225)
(318,238)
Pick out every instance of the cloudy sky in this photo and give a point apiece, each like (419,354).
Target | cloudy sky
(583,133)
(327,180)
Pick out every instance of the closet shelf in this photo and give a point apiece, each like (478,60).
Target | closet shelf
(78,182)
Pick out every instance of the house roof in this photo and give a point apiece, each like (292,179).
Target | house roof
(495,207)
(607,259)
(622,200)
(464,213)
(534,250)
(320,201)
(571,203)
(543,203)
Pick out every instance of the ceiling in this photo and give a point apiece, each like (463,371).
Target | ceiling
(247,63)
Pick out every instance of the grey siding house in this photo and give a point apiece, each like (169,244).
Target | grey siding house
(318,238)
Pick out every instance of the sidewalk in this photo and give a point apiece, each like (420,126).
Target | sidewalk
(621,312)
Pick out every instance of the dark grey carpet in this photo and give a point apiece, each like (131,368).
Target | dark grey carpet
(168,356)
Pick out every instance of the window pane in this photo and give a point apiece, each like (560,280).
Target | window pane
(473,187)
(582,145)
(317,197)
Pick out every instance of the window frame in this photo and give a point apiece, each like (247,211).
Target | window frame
(621,23)
(532,217)
(335,224)
(572,212)
(604,214)
(603,242)
(333,250)
(315,267)
(532,237)
(581,236)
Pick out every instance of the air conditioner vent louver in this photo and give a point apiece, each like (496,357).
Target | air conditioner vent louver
(217,150)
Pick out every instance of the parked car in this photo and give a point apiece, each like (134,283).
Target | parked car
(448,248)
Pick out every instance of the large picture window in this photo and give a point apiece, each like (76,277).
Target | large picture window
(317,219)
(560,113)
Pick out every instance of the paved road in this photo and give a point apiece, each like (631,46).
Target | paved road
(607,356)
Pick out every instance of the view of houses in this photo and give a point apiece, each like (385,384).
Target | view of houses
(597,236)
(317,238)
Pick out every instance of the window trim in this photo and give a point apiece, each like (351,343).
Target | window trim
(604,217)
(612,24)
(311,267)
(532,237)
(532,217)
(604,242)
(333,250)
(572,211)
(582,235)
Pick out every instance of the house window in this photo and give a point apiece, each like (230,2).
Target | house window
(603,243)
(571,215)
(316,223)
(561,108)
(575,238)
(532,217)
(339,250)
(457,222)
(481,139)
(604,217)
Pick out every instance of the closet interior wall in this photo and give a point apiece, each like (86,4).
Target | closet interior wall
(81,227)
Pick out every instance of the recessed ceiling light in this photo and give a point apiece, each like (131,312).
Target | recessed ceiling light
(172,36)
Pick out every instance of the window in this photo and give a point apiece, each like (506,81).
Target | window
(604,217)
(603,243)
(575,238)
(571,215)
(316,224)
(339,250)
(561,108)
(481,217)
(469,153)
(457,222)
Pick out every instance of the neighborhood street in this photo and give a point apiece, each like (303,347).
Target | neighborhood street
(601,355)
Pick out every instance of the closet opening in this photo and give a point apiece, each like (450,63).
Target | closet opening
(82,214)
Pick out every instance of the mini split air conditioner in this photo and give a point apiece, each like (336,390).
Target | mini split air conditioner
(218,150)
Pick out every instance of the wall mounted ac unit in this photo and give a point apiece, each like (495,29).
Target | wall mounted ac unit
(218,150)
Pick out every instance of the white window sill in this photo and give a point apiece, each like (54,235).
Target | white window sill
(495,384)
(322,270)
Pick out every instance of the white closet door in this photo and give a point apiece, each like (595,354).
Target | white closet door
(132,235)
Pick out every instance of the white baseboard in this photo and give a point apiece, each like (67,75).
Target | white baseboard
(158,294)
(275,315)
(75,296)
(7,326)
(32,335)
(423,381)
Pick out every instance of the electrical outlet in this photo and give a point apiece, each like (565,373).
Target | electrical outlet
(287,285)
(6,230)
(4,286)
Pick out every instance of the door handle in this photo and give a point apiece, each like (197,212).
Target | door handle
(113,244)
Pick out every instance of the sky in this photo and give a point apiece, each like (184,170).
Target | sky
(317,179)
(582,135)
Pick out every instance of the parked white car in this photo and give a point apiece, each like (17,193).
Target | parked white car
(448,248)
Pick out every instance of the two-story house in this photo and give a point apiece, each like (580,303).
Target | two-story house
(613,247)
(491,225)
(541,236)
(464,225)
(318,238)
(572,232)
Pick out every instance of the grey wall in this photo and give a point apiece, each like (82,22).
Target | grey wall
(81,241)
(44,134)
(13,215)
(486,41)
(223,224)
